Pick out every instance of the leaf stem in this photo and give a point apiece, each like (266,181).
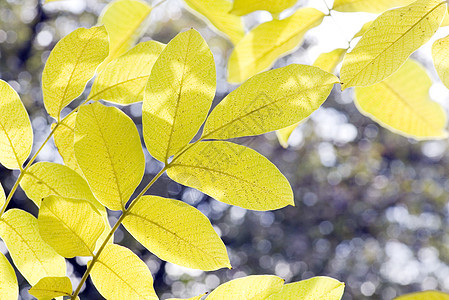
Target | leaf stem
(111,232)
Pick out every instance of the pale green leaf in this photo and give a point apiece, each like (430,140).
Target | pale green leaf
(243,7)
(64,138)
(403,106)
(217,13)
(124,79)
(9,288)
(427,295)
(377,6)
(43,179)
(247,288)
(109,152)
(119,274)
(263,45)
(126,21)
(323,288)
(188,241)
(440,53)
(51,287)
(233,174)
(33,257)
(71,64)
(179,94)
(16,134)
(270,101)
(390,40)
(330,60)
(70,226)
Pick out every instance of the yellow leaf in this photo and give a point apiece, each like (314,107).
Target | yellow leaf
(270,101)
(16,134)
(124,79)
(125,21)
(119,274)
(217,13)
(445,20)
(51,287)
(9,288)
(109,152)
(179,94)
(390,40)
(43,179)
(403,106)
(243,7)
(70,226)
(263,45)
(427,295)
(33,257)
(248,288)
(284,134)
(233,174)
(323,288)
(193,298)
(64,136)
(440,53)
(364,29)
(371,6)
(188,241)
(329,61)
(72,63)
(2,196)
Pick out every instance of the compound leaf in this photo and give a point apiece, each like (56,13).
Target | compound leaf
(440,53)
(389,41)
(125,21)
(323,288)
(263,45)
(189,241)
(179,94)
(16,134)
(33,257)
(70,226)
(124,79)
(109,152)
(247,288)
(119,274)
(243,7)
(51,287)
(403,106)
(370,6)
(43,179)
(64,138)
(9,288)
(217,13)
(233,174)
(427,295)
(72,63)
(269,101)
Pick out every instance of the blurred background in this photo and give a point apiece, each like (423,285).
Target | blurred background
(371,206)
